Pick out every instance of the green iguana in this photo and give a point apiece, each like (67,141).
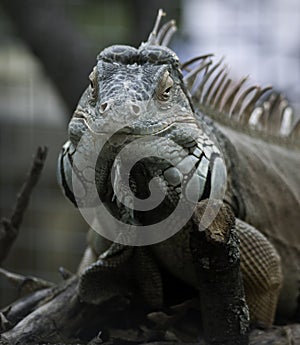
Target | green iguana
(142,93)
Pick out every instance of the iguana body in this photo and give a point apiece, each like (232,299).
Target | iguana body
(267,185)
(145,87)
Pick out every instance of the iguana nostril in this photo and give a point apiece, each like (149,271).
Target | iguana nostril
(136,108)
(103,107)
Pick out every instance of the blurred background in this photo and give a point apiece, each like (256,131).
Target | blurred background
(47,50)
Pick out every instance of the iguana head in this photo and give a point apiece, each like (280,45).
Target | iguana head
(137,91)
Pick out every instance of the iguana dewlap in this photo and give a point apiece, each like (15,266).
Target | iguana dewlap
(208,116)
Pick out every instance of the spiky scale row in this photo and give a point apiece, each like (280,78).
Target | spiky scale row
(163,35)
(212,90)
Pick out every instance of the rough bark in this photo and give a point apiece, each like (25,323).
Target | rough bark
(58,316)
(215,250)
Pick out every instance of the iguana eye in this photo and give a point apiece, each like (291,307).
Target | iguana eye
(166,93)
(165,87)
(93,85)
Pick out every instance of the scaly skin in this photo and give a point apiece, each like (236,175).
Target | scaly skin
(141,93)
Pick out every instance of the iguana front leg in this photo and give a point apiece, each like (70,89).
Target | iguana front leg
(108,276)
(262,275)
(108,269)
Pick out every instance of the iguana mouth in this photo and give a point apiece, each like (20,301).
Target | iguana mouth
(80,114)
(174,123)
(135,129)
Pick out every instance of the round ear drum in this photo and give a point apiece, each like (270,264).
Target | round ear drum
(64,172)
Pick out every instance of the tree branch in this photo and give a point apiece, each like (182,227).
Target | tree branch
(215,251)
(57,315)
(10,227)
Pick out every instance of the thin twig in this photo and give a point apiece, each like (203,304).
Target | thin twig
(26,284)
(10,227)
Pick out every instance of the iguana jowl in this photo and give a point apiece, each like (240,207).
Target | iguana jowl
(258,137)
